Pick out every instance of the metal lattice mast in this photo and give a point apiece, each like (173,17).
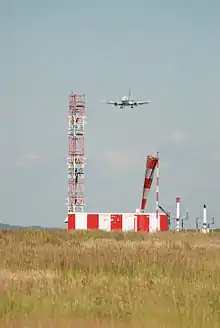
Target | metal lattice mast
(76,156)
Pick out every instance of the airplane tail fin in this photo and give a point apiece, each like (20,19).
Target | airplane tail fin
(129,94)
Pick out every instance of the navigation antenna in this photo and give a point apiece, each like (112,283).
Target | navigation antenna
(76,156)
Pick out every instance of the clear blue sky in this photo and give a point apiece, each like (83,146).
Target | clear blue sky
(167,51)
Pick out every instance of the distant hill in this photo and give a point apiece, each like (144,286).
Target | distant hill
(8,226)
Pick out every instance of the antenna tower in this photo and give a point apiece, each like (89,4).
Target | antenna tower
(76,158)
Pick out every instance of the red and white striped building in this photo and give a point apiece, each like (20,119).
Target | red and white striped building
(117,222)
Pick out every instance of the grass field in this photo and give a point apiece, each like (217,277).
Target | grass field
(57,279)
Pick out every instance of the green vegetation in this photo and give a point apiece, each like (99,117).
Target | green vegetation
(94,279)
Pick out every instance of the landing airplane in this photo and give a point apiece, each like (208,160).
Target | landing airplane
(127,102)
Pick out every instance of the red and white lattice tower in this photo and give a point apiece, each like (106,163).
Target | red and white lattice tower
(151,164)
(76,156)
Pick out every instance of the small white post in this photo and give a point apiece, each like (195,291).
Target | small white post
(177,214)
(204,219)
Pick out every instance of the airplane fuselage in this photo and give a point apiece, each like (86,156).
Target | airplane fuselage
(126,102)
(124,99)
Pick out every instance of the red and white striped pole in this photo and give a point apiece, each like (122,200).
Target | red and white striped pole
(157,191)
(151,164)
(177,214)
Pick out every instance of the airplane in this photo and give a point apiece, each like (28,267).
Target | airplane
(127,102)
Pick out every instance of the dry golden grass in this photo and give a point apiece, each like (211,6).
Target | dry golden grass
(94,279)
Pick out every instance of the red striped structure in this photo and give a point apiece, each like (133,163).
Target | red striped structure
(151,164)
(117,222)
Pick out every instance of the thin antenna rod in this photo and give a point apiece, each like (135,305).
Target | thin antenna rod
(178,214)
(157,190)
(129,94)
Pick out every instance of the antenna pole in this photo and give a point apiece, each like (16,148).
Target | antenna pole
(157,190)
(177,214)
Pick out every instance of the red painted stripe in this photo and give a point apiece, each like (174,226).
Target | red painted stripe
(71,221)
(163,222)
(143,222)
(92,221)
(150,162)
(116,222)
(143,204)
(147,183)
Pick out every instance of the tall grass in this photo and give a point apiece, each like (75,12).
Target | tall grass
(96,279)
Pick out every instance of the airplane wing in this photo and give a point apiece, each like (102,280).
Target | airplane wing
(143,102)
(115,103)
(111,102)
